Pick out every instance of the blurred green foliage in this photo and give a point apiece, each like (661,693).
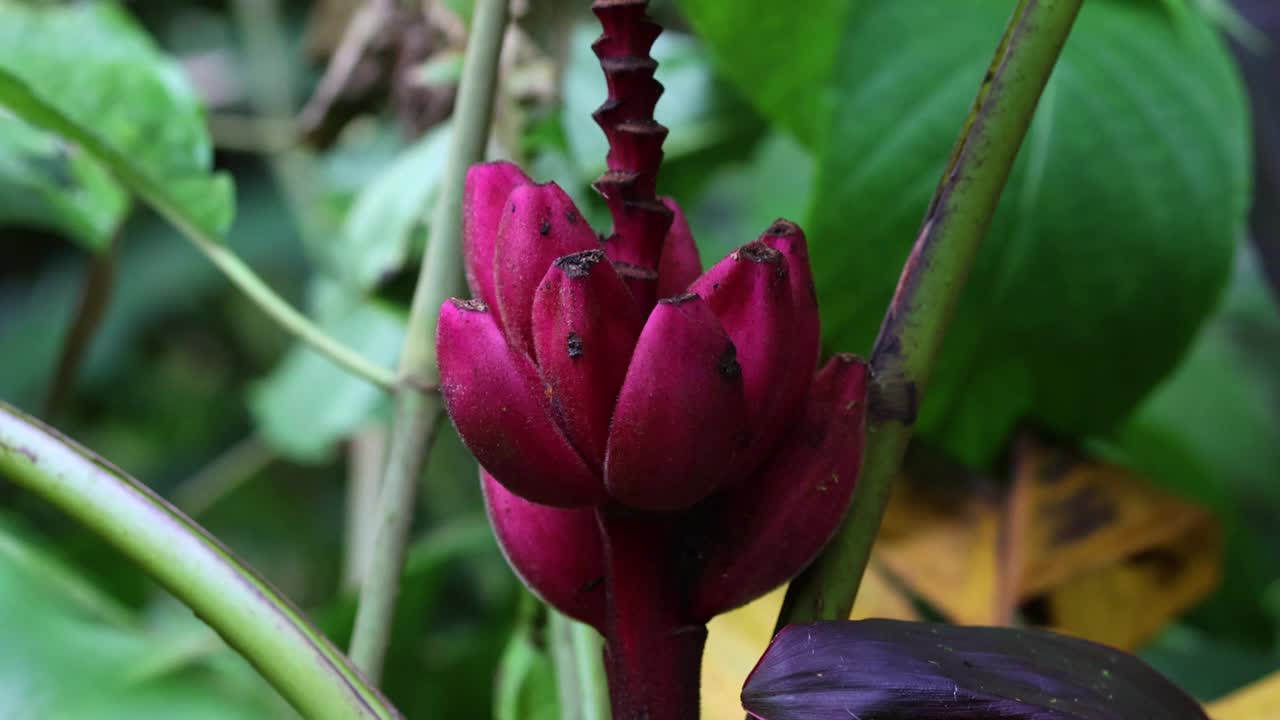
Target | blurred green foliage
(46,183)
(1209,432)
(305,425)
(85,60)
(73,652)
(1115,238)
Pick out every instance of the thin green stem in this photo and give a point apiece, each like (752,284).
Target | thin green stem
(415,421)
(576,651)
(253,617)
(417,413)
(929,290)
(24,102)
(366,453)
(267,300)
(518,660)
(279,309)
(223,476)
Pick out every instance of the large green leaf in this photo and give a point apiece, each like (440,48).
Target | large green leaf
(1212,433)
(71,651)
(779,53)
(1116,230)
(388,215)
(741,200)
(250,614)
(1206,665)
(526,682)
(88,73)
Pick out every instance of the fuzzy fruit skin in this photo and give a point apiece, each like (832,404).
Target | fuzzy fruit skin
(585,326)
(679,264)
(648,463)
(571,579)
(750,291)
(811,477)
(497,404)
(680,417)
(488,185)
(575,393)
(539,224)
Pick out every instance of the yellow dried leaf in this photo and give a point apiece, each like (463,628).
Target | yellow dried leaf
(1091,515)
(943,549)
(1127,603)
(1103,553)
(1259,701)
(1097,550)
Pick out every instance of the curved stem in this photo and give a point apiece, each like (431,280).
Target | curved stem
(929,290)
(253,617)
(417,414)
(279,309)
(18,97)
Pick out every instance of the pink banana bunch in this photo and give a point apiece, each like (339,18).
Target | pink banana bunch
(658,444)
(700,408)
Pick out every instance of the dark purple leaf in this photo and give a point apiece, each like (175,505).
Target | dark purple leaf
(894,670)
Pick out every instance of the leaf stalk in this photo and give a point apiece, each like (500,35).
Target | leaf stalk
(251,615)
(24,102)
(929,290)
(417,413)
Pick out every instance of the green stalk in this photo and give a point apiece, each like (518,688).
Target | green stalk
(929,290)
(417,411)
(253,617)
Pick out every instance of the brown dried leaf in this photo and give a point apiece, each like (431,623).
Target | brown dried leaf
(1103,553)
